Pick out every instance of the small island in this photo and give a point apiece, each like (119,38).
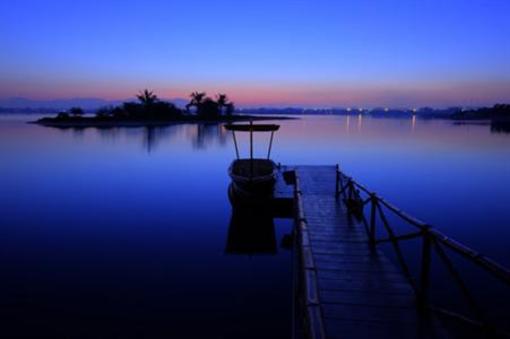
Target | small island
(151,111)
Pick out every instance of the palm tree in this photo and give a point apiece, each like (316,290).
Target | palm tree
(222,101)
(76,111)
(230,109)
(147,97)
(197,99)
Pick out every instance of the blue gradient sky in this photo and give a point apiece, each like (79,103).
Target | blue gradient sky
(313,53)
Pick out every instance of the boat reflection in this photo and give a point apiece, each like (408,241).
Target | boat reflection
(251,232)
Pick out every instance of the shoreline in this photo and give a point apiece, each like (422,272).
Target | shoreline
(89,122)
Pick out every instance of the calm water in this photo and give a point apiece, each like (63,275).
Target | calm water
(123,232)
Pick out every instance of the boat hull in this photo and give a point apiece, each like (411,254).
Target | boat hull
(252,182)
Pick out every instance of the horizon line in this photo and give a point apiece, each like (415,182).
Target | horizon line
(262,105)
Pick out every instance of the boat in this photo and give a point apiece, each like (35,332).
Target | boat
(253,179)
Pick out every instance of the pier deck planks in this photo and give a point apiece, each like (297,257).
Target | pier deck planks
(358,292)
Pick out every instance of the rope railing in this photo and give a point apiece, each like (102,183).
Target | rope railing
(356,197)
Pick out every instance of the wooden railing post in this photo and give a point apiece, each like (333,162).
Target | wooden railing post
(373,202)
(398,252)
(337,181)
(425,270)
(351,189)
(432,241)
(460,283)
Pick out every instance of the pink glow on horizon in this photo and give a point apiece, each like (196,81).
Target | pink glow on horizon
(307,95)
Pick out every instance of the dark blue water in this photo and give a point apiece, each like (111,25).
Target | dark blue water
(122,232)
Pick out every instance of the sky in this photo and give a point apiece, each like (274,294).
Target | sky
(314,53)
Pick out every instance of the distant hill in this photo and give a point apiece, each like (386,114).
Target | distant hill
(88,104)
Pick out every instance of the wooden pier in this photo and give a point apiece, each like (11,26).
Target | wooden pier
(351,290)
(346,287)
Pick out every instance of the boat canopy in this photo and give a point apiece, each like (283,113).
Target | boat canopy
(252,127)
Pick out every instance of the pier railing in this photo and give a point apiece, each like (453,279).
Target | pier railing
(357,197)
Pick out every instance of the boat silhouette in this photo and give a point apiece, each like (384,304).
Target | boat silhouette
(253,179)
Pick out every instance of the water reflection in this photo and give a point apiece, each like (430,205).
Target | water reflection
(201,136)
(500,126)
(78,132)
(206,133)
(154,136)
(85,206)
(251,232)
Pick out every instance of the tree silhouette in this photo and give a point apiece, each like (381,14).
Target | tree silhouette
(222,101)
(209,109)
(150,108)
(76,111)
(147,97)
(197,99)
(224,104)
(230,109)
